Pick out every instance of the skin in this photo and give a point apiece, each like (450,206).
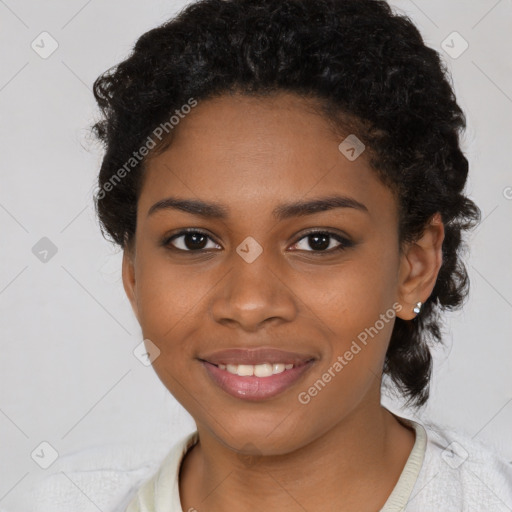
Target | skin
(251,155)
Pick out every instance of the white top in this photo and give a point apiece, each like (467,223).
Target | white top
(439,475)
(445,472)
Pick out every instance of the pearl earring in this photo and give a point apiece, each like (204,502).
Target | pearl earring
(417,308)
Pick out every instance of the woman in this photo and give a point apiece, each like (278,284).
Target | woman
(286,182)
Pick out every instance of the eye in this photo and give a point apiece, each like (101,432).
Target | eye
(320,241)
(323,241)
(190,240)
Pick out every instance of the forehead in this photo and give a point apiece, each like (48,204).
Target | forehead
(240,151)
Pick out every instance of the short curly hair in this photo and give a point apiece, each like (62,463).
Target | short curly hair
(373,75)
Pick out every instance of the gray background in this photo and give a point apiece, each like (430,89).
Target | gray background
(68,374)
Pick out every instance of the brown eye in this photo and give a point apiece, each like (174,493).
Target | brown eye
(190,241)
(323,241)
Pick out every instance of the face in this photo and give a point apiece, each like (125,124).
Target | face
(257,277)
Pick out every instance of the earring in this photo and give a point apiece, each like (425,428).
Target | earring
(417,308)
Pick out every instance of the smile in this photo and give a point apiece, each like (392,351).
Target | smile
(256,382)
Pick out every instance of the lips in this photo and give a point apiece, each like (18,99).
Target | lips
(254,388)
(256,356)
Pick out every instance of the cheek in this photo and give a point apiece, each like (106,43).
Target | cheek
(352,297)
(355,305)
(169,298)
(360,321)
(167,295)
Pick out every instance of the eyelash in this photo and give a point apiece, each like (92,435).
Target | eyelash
(344,242)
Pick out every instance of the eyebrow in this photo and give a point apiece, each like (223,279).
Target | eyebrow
(281,212)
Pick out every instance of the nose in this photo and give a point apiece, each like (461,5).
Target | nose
(253,295)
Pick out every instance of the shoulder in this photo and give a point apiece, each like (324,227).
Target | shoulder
(97,478)
(161,491)
(461,473)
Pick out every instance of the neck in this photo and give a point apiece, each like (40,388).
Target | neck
(355,465)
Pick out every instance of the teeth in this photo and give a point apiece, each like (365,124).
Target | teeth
(259,370)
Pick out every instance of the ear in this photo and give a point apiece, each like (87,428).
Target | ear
(419,267)
(128,274)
